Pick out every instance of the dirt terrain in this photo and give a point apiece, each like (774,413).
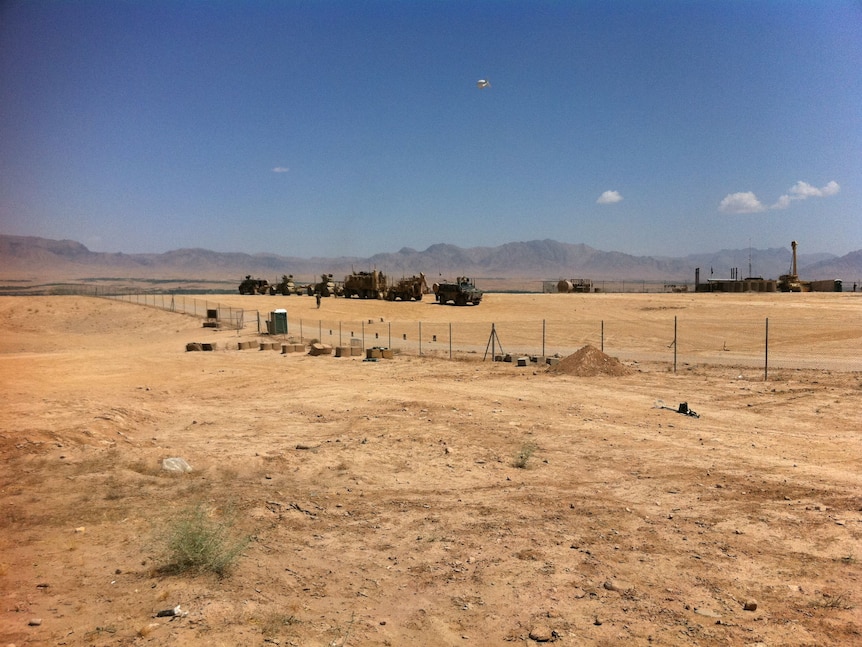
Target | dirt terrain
(427,501)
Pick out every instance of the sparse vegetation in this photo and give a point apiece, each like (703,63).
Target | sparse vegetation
(524,455)
(198,542)
(839,601)
(275,622)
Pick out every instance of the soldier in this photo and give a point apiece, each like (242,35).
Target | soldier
(317,296)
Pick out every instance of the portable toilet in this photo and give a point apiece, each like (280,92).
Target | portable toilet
(279,321)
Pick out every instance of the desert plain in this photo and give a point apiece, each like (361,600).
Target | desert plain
(436,498)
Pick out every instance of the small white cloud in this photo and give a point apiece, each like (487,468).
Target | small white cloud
(830,189)
(609,197)
(744,202)
(280,169)
(802,191)
(747,202)
(782,203)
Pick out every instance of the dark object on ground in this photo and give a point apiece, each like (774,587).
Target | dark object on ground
(683,409)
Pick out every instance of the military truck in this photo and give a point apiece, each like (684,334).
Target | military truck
(461,292)
(365,285)
(285,287)
(408,289)
(325,287)
(253,286)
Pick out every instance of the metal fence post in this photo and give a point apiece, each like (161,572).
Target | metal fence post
(674,344)
(766,353)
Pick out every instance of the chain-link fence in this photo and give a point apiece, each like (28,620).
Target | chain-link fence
(219,315)
(754,343)
(677,341)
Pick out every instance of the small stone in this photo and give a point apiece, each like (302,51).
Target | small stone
(541,634)
(750,605)
(176,465)
(35,622)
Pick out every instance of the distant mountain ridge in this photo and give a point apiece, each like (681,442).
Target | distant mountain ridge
(33,257)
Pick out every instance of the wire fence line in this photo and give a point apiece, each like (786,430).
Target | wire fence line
(224,316)
(757,343)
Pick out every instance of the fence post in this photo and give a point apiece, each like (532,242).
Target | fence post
(543,337)
(363,334)
(766,353)
(603,335)
(420,339)
(450,340)
(674,344)
(390,335)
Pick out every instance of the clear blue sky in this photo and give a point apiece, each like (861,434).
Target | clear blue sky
(338,128)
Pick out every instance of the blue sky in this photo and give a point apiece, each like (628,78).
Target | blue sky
(337,128)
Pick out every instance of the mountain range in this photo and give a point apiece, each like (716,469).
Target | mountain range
(27,258)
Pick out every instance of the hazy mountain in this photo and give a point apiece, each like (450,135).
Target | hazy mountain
(23,257)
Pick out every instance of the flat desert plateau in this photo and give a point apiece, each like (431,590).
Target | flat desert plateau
(426,500)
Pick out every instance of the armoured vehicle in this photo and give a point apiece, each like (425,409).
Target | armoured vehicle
(408,289)
(461,292)
(325,288)
(253,286)
(285,287)
(365,285)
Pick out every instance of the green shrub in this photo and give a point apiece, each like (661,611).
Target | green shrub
(197,542)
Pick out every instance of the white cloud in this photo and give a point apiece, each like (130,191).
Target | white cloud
(831,189)
(280,169)
(802,191)
(745,202)
(782,203)
(609,197)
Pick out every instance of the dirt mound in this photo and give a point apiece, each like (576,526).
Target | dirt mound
(589,362)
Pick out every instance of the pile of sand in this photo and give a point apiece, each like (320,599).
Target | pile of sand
(589,362)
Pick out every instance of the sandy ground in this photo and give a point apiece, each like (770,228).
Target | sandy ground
(428,501)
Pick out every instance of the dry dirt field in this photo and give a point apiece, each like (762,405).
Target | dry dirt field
(431,501)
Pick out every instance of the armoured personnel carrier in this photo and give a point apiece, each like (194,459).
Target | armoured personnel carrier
(253,286)
(325,287)
(286,286)
(461,292)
